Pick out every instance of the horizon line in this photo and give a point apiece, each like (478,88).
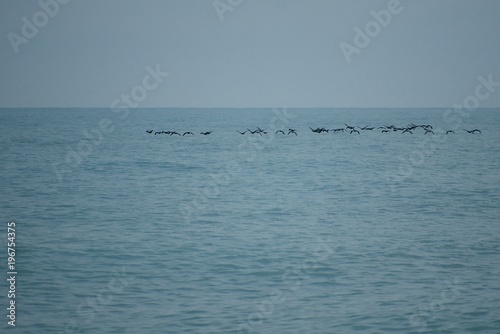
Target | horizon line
(284,107)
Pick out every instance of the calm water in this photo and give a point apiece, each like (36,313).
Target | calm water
(128,232)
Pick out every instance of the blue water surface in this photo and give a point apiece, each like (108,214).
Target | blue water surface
(121,231)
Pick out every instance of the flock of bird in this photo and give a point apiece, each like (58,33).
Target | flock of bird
(410,128)
(171,133)
(387,128)
(263,131)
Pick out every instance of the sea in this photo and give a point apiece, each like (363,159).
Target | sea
(118,230)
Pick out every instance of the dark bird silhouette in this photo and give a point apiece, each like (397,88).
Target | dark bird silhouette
(174,133)
(319,130)
(450,131)
(187,133)
(259,131)
(241,133)
(349,127)
(473,131)
(427,131)
(149,131)
(354,130)
(157,132)
(407,130)
(206,133)
(279,131)
(292,131)
(385,130)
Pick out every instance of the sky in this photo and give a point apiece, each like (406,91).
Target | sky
(248,53)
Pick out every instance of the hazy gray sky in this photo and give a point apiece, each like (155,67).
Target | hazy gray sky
(247,53)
